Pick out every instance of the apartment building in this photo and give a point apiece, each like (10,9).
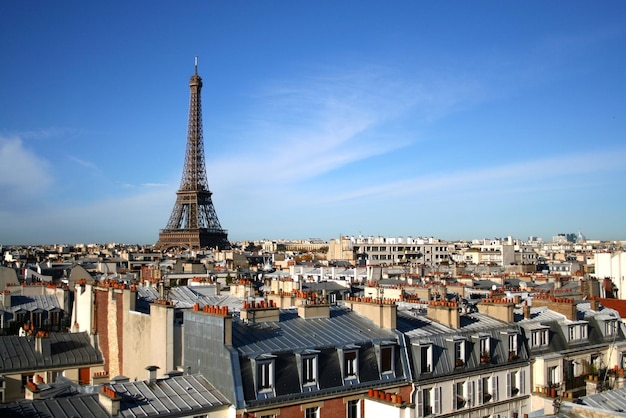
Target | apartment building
(294,356)
(467,364)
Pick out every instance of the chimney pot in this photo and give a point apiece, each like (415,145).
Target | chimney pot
(152,371)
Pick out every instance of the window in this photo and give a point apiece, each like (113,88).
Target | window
(553,378)
(265,375)
(577,332)
(386,359)
(512,346)
(539,338)
(512,384)
(309,370)
(424,402)
(458,395)
(352,409)
(426,358)
(350,364)
(484,346)
(459,353)
(610,328)
(483,390)
(312,412)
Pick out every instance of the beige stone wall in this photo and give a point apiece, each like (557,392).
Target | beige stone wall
(138,345)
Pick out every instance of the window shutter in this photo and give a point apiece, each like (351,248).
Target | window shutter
(438,400)
(522,382)
(454,395)
(494,381)
(508,384)
(470,393)
(480,391)
(420,403)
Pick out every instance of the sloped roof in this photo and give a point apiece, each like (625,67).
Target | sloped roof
(293,333)
(618,304)
(59,349)
(173,396)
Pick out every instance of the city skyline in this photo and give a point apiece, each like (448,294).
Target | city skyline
(454,120)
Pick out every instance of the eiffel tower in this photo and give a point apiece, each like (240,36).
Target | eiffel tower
(193,223)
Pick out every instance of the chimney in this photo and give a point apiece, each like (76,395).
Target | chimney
(314,310)
(382,312)
(6,298)
(32,391)
(152,373)
(526,310)
(564,306)
(501,309)
(595,303)
(40,344)
(263,311)
(444,312)
(110,400)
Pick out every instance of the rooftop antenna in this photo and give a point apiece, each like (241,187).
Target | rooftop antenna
(196,64)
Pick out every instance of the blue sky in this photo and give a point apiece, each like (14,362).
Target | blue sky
(457,120)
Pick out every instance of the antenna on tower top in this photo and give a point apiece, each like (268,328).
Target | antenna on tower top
(196,64)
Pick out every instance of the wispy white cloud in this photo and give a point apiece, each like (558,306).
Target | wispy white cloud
(24,175)
(309,126)
(84,163)
(554,173)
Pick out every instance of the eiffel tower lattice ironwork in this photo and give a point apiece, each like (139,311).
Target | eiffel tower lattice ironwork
(193,222)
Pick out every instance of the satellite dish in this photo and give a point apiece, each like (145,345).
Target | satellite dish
(494,287)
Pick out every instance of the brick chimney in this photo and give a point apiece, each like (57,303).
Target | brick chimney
(32,391)
(445,313)
(564,306)
(595,303)
(382,312)
(501,309)
(259,312)
(110,400)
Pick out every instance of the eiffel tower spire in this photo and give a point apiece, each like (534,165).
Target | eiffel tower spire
(193,222)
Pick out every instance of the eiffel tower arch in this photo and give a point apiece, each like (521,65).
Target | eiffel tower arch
(193,223)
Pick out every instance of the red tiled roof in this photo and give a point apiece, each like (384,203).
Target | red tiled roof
(618,304)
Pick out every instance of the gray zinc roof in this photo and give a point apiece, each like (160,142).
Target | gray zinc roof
(58,350)
(178,395)
(294,333)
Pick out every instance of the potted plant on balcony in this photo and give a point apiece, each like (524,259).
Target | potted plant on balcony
(484,357)
(458,362)
(513,355)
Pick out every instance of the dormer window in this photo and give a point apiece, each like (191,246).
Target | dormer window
(386,356)
(485,349)
(265,372)
(309,370)
(577,331)
(610,327)
(350,359)
(426,357)
(539,337)
(459,353)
